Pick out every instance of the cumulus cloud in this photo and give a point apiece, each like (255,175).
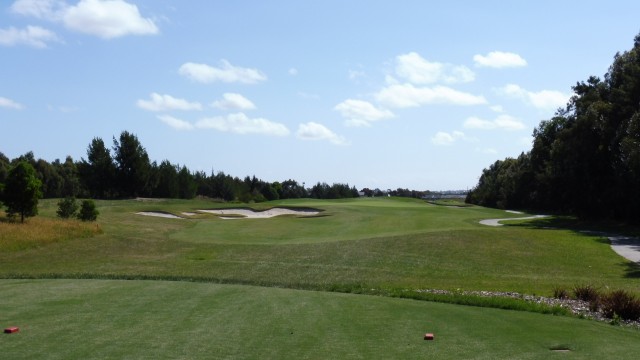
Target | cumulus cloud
(544,99)
(34,36)
(499,59)
(106,19)
(504,121)
(361,113)
(41,9)
(233,101)
(166,103)
(315,131)
(408,95)
(240,123)
(226,73)
(417,70)
(176,123)
(444,138)
(10,104)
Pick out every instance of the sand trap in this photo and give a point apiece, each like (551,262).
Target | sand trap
(158,214)
(251,214)
(496,222)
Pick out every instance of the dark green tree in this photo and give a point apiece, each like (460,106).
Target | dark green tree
(22,191)
(88,211)
(67,207)
(97,173)
(132,165)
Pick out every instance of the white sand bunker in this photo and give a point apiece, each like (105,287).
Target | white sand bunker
(158,214)
(251,214)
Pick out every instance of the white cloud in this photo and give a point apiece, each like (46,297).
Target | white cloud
(417,70)
(497,108)
(293,71)
(10,104)
(444,138)
(34,36)
(407,95)
(41,9)
(544,99)
(176,123)
(108,19)
(499,59)
(103,18)
(226,73)
(240,123)
(361,113)
(233,101)
(315,131)
(166,103)
(503,121)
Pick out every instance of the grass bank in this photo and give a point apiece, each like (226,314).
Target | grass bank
(88,319)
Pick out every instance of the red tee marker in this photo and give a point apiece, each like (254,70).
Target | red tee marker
(428,336)
(11,330)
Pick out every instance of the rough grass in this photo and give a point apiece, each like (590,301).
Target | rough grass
(41,231)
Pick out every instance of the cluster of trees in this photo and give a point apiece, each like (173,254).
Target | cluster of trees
(125,171)
(586,159)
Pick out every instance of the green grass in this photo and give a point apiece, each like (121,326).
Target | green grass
(384,246)
(89,319)
(376,243)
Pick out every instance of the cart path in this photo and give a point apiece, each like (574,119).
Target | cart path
(625,246)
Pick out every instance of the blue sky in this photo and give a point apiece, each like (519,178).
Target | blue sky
(380,94)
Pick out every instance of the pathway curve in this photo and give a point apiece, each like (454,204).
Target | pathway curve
(625,246)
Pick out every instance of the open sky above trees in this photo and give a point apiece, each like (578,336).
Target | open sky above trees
(422,95)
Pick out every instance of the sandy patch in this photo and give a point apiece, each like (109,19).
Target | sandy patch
(496,222)
(189,213)
(158,214)
(251,214)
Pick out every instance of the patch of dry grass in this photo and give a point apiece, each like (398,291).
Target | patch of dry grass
(39,231)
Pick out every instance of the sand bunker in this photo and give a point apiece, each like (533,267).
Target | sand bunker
(158,214)
(251,214)
(235,213)
(496,222)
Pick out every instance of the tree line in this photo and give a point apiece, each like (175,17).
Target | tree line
(124,170)
(585,160)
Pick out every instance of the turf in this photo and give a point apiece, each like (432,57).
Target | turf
(91,319)
(379,243)
(385,246)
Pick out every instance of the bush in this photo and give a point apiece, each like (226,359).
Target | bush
(67,207)
(586,293)
(88,211)
(560,293)
(620,303)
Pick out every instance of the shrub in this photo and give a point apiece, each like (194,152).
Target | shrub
(560,293)
(88,211)
(586,293)
(67,207)
(620,303)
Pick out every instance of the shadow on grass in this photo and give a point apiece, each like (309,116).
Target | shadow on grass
(600,230)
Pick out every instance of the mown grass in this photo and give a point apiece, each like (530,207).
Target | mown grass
(387,247)
(88,319)
(364,243)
